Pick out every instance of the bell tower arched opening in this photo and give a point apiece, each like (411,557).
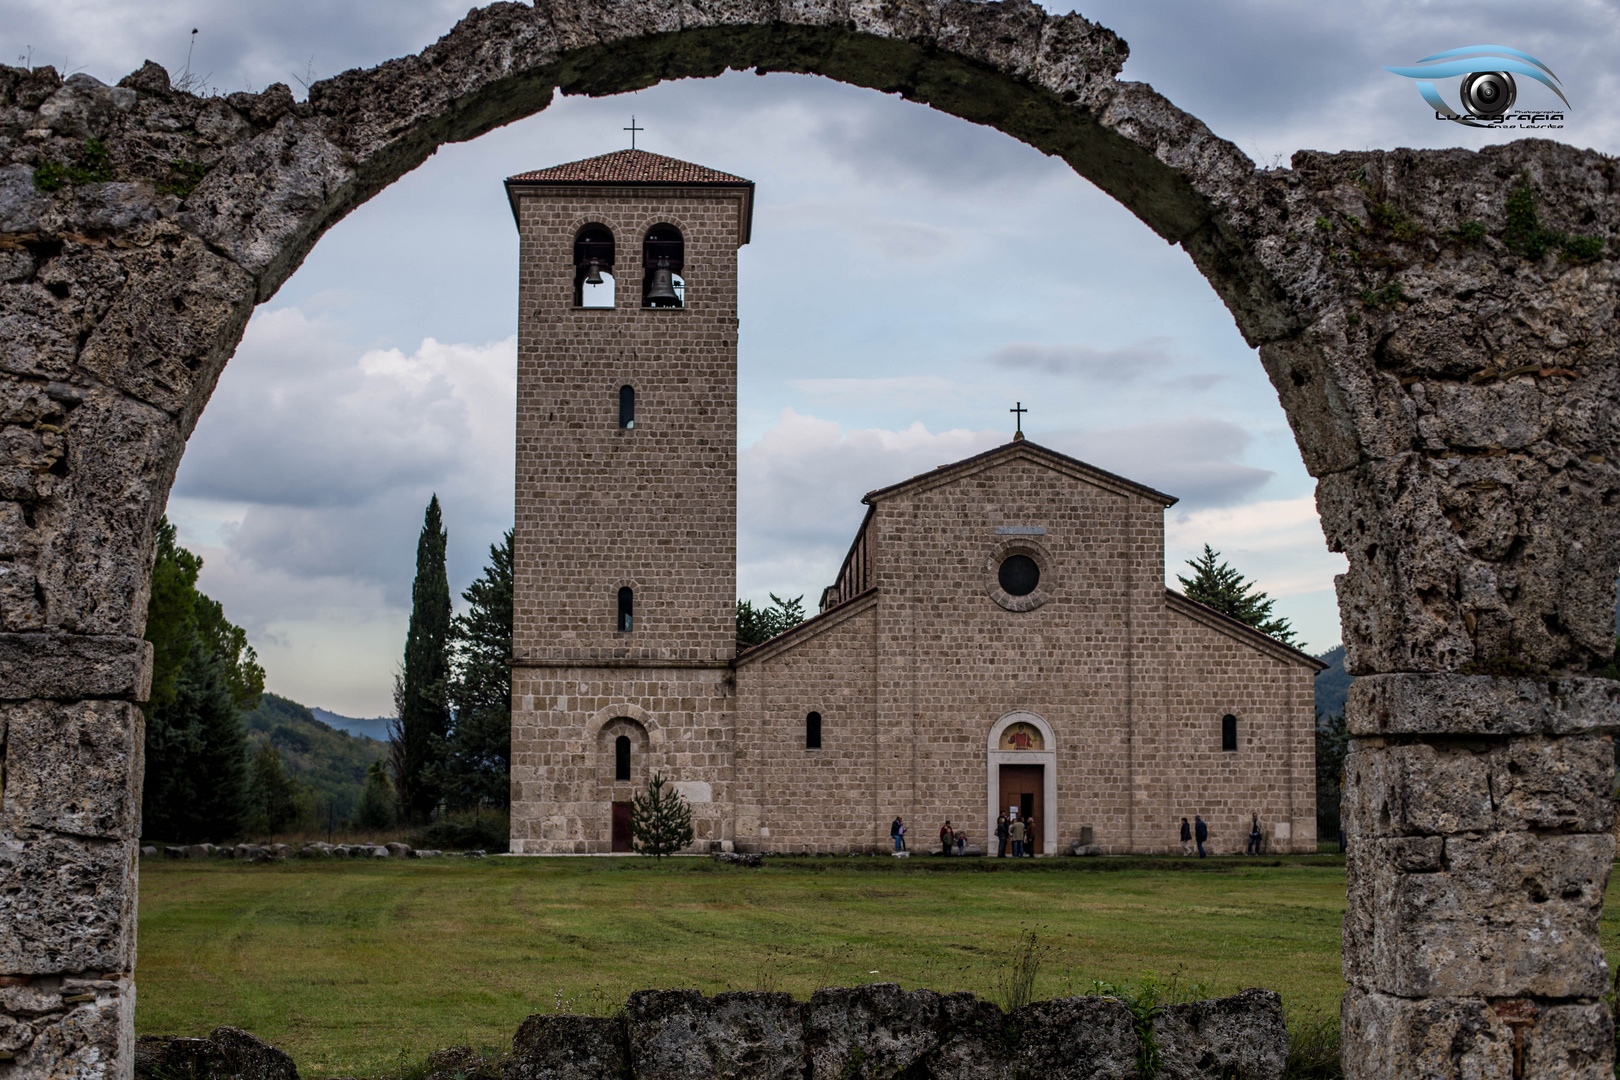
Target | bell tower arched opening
(663,260)
(594,284)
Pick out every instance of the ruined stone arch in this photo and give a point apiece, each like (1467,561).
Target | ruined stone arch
(1461,433)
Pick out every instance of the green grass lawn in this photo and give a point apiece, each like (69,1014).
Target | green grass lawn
(347,965)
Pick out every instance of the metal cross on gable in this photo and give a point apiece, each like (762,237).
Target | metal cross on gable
(1020,411)
(632,129)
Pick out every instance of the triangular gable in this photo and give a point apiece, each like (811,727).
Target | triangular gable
(1014,451)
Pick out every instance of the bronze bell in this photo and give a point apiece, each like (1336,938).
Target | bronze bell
(593,274)
(662,291)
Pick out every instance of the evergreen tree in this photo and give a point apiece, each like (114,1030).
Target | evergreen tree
(377,801)
(275,801)
(203,673)
(230,644)
(1219,586)
(424,716)
(478,771)
(171,613)
(660,820)
(756,626)
(196,768)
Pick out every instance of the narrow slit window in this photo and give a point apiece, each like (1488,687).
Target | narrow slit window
(627,407)
(812,731)
(1228,732)
(621,758)
(627,610)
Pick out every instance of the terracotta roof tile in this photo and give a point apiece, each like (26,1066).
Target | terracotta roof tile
(627,167)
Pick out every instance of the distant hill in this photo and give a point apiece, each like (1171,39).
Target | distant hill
(1333,684)
(374,728)
(326,759)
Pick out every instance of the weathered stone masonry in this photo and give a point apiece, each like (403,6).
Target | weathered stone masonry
(1449,372)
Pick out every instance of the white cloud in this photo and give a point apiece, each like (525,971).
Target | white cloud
(1194,458)
(305,482)
(800,488)
(874,234)
(1148,356)
(906,391)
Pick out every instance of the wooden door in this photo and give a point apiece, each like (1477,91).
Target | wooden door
(1024,787)
(621,827)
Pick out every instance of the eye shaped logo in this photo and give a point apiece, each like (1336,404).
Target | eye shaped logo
(1488,90)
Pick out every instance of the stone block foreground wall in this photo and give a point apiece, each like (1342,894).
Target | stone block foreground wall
(1439,326)
(864,1033)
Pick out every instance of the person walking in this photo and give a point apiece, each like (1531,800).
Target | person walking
(1254,835)
(946,837)
(897,833)
(1029,837)
(1200,833)
(1186,837)
(1001,836)
(1015,832)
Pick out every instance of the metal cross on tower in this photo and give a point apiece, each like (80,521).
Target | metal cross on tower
(1020,411)
(632,129)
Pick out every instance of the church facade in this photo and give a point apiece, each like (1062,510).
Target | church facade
(998,639)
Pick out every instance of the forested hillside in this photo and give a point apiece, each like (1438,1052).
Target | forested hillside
(329,764)
(1333,684)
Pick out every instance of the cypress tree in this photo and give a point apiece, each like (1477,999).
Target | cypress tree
(424,718)
(478,772)
(1217,585)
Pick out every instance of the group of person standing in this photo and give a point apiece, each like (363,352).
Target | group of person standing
(1198,832)
(1017,832)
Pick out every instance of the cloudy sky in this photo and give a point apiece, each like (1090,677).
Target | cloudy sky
(911,277)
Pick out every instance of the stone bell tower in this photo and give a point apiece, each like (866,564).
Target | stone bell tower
(624,551)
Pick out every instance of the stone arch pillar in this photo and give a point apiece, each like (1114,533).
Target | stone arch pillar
(1449,369)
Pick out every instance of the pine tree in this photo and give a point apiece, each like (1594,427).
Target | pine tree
(478,770)
(276,803)
(171,613)
(424,717)
(756,626)
(1219,586)
(204,673)
(196,778)
(660,820)
(230,644)
(377,801)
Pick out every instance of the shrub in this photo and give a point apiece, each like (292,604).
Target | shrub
(465,830)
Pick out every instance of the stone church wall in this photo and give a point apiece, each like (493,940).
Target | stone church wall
(795,799)
(969,661)
(564,720)
(1131,680)
(1206,671)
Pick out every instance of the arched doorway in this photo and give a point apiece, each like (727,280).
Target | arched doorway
(1021,777)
